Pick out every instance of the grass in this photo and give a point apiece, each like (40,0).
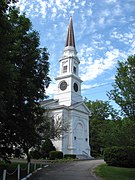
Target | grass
(115,173)
(13,168)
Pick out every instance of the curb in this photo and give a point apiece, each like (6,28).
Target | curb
(29,175)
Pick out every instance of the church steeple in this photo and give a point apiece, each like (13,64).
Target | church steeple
(68,80)
(68,106)
(70,41)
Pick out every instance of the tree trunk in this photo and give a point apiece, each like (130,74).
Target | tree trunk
(28,155)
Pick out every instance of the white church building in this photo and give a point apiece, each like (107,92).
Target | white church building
(68,102)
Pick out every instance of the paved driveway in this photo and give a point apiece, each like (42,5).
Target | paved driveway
(78,170)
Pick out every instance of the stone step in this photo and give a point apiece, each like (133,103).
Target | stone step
(83,157)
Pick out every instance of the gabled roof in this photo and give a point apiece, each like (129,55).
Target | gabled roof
(48,102)
(53,104)
(80,106)
(70,41)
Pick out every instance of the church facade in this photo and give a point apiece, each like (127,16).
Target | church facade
(68,104)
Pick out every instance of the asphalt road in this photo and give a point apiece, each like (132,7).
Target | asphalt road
(77,170)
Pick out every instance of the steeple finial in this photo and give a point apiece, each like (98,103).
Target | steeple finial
(70,41)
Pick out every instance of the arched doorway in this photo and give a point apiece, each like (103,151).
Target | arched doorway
(79,138)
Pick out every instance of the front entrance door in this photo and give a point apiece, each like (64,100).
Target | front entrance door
(79,138)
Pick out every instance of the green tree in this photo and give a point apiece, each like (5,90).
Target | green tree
(101,115)
(23,83)
(7,94)
(126,134)
(112,134)
(4,5)
(123,92)
(32,68)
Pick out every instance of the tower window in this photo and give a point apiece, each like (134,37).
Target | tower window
(64,69)
(74,70)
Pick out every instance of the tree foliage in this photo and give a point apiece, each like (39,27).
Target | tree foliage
(4,5)
(102,116)
(123,92)
(128,130)
(105,131)
(24,76)
(107,128)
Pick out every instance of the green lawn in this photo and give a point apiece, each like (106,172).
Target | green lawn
(115,173)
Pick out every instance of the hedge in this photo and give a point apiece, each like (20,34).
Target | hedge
(120,156)
(55,155)
(68,156)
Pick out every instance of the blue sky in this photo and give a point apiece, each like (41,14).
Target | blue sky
(104,33)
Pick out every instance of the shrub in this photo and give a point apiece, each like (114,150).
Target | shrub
(55,155)
(70,156)
(120,156)
(47,146)
(95,153)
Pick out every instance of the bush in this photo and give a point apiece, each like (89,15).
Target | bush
(47,146)
(55,155)
(120,156)
(70,156)
(95,153)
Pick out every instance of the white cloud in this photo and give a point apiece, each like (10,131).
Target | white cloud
(83,24)
(51,90)
(89,12)
(50,3)
(108,42)
(105,13)
(21,4)
(58,2)
(101,21)
(111,1)
(111,78)
(92,70)
(117,11)
(83,3)
(125,37)
(71,12)
(54,12)
(43,6)
(33,9)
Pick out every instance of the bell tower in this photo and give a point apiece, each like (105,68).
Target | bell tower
(68,105)
(68,81)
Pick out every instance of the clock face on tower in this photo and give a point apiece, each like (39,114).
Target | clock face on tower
(75,87)
(63,85)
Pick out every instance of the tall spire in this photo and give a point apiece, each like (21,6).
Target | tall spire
(70,41)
